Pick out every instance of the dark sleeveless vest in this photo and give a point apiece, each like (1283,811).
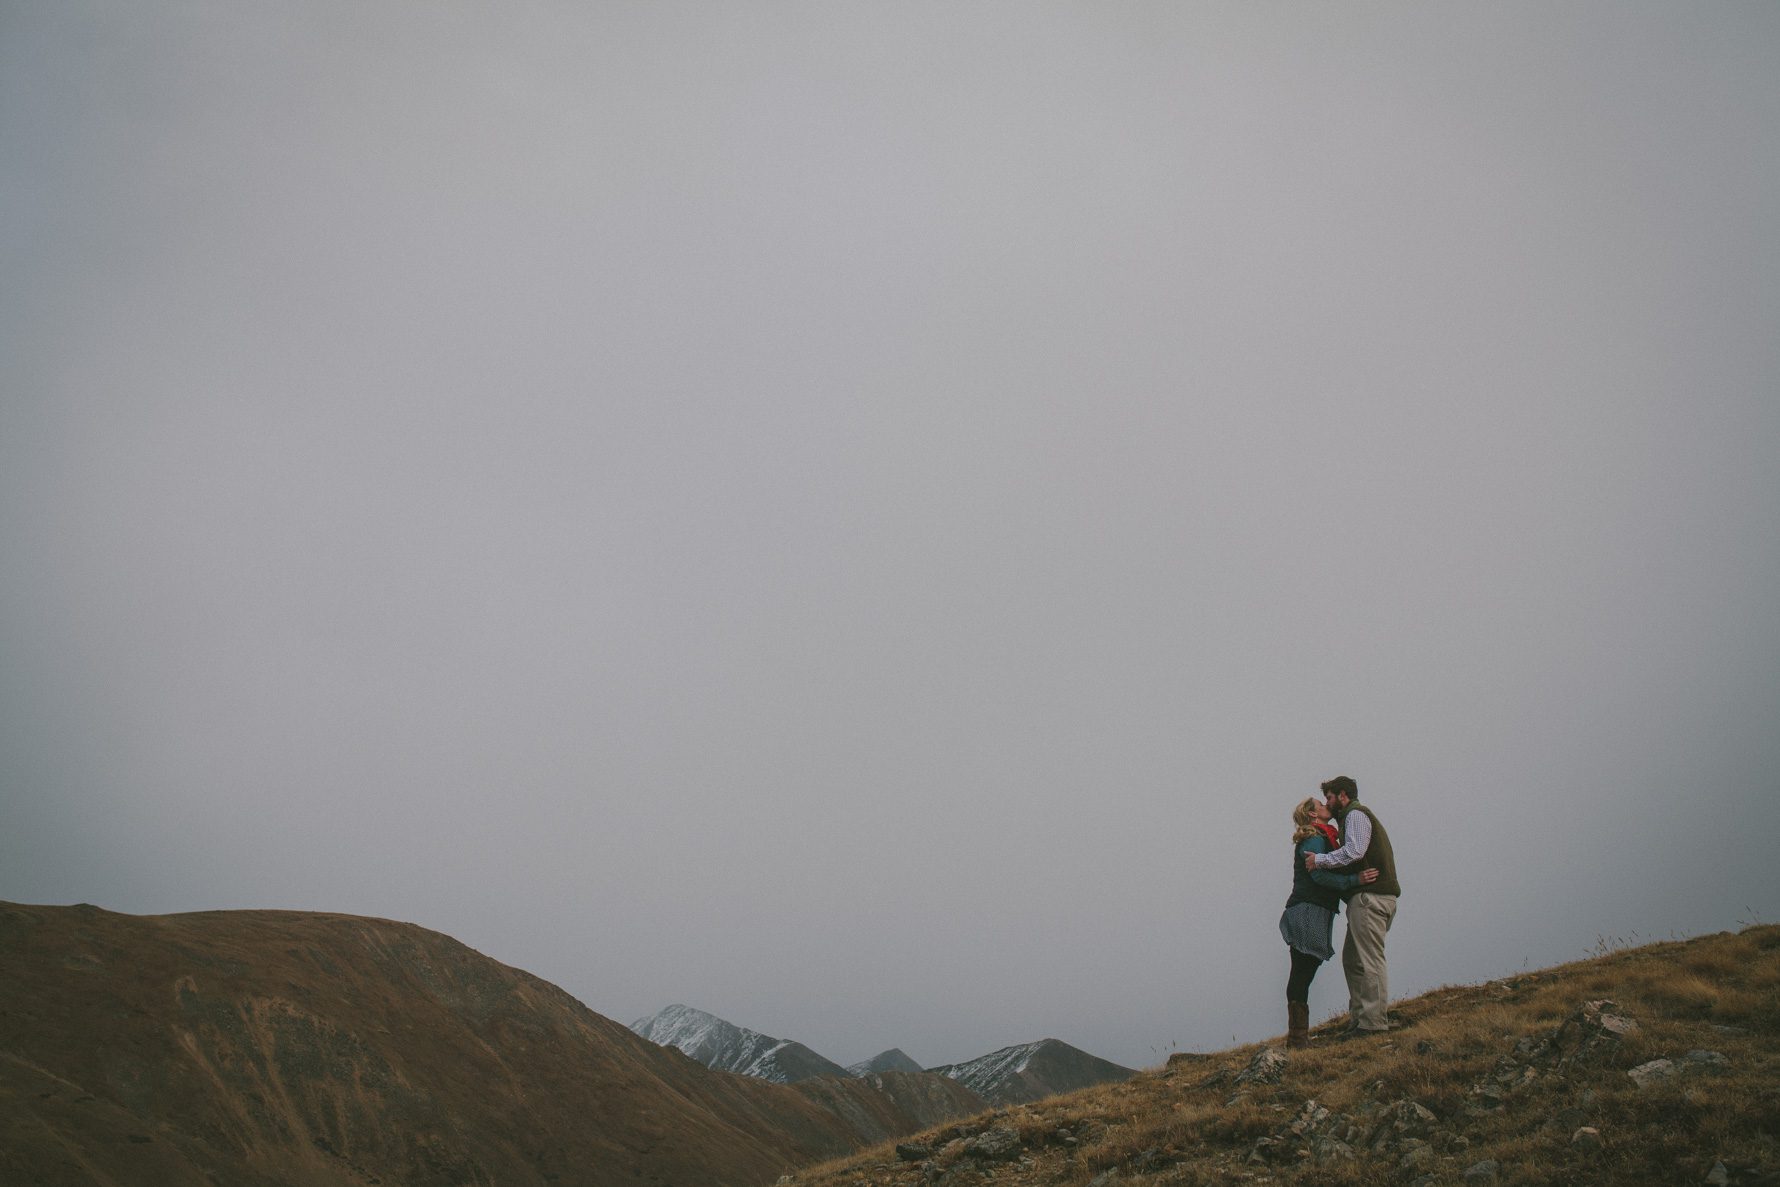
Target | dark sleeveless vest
(1378,853)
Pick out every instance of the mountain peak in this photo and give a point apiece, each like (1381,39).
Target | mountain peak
(893,1060)
(727,1047)
(1031,1071)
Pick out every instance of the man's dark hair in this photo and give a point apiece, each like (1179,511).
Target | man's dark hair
(1342,785)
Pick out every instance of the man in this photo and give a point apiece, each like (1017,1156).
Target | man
(1370,909)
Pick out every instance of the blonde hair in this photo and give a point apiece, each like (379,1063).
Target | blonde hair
(1304,819)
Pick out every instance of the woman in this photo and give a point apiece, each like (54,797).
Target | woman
(1309,919)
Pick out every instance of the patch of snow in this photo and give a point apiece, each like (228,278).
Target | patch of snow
(715,1043)
(986,1072)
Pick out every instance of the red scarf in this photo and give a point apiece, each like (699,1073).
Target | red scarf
(1328,831)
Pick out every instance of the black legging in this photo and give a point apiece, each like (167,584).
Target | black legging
(1304,967)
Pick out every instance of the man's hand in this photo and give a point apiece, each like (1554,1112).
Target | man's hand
(1369,875)
(1310,861)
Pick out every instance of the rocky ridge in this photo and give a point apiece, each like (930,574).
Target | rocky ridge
(1011,1075)
(726,1047)
(1032,1071)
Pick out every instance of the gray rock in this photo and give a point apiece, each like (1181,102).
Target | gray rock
(1480,1173)
(1418,1159)
(1510,1077)
(1712,1059)
(913,1152)
(1330,1150)
(1594,1030)
(1104,1178)
(994,1145)
(1655,1072)
(1719,1175)
(1309,1118)
(1586,1140)
(1401,1120)
(1268,1065)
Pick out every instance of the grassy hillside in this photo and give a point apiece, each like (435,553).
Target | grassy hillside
(289,1048)
(1525,1080)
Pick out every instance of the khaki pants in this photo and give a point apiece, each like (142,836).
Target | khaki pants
(1362,958)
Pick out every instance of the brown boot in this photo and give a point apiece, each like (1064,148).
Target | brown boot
(1297,1024)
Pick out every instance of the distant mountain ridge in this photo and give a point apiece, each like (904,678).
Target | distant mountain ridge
(725,1047)
(1033,1071)
(881,1105)
(1012,1075)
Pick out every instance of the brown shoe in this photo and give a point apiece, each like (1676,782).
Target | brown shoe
(1297,1024)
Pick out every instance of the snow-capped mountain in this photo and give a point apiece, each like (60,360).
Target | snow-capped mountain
(731,1048)
(1012,1075)
(1031,1071)
(892,1060)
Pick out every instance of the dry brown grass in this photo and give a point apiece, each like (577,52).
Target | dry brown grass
(1169,1126)
(292,1047)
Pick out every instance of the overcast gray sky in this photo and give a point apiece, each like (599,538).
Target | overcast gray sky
(864,519)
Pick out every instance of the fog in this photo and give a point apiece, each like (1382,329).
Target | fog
(865,519)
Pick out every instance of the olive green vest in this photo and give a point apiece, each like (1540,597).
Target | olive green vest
(1378,853)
